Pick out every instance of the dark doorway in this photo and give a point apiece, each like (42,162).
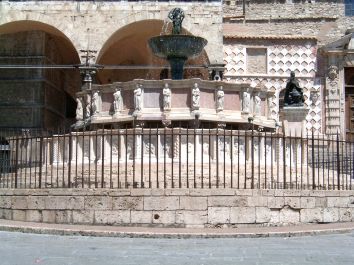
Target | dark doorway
(349,103)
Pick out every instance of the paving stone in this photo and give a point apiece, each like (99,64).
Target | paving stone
(78,250)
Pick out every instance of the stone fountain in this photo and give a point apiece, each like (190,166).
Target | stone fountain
(170,103)
(177,48)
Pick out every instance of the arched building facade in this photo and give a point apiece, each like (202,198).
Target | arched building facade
(56,34)
(256,42)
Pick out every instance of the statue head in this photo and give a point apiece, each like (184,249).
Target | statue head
(333,72)
(292,74)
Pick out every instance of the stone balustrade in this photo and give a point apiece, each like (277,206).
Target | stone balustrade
(171,100)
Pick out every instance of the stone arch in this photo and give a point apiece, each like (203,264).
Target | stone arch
(30,42)
(65,45)
(128,46)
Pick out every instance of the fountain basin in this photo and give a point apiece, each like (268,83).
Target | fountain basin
(182,46)
(177,49)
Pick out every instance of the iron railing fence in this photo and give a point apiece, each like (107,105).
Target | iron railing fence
(174,158)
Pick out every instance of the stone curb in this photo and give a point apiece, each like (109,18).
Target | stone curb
(128,232)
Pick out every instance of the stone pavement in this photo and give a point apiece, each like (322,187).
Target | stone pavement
(22,249)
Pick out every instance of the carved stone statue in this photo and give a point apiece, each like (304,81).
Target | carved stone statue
(220,99)
(257,104)
(79,109)
(246,100)
(195,97)
(293,92)
(137,98)
(117,103)
(166,92)
(96,106)
(177,16)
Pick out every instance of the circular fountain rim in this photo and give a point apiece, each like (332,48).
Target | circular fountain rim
(201,40)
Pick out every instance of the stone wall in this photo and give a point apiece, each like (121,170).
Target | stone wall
(91,24)
(324,19)
(280,56)
(177,207)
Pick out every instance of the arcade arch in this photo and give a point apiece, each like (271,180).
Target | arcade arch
(36,43)
(129,46)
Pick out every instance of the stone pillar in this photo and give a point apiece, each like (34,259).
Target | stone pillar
(138,143)
(107,149)
(92,149)
(198,147)
(176,143)
(83,145)
(212,146)
(122,146)
(294,121)
(103,148)
(74,149)
(332,101)
(57,157)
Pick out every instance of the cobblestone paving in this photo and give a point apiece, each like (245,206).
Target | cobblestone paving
(21,249)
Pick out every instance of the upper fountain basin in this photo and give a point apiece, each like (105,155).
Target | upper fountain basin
(177,46)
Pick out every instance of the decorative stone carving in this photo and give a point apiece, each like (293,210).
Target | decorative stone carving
(118,100)
(138,98)
(96,102)
(166,92)
(88,107)
(139,124)
(149,148)
(176,146)
(195,97)
(333,101)
(257,104)
(314,96)
(333,72)
(221,125)
(220,99)
(166,122)
(79,109)
(246,100)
